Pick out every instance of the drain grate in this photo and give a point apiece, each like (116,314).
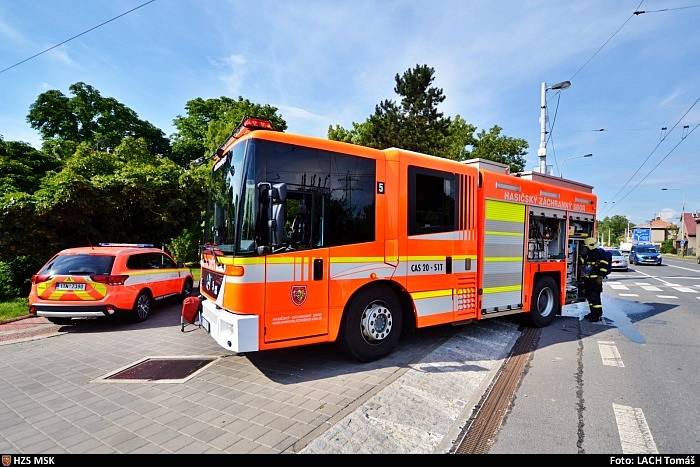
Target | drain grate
(159,370)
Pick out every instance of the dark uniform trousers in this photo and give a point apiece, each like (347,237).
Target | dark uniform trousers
(593,290)
(600,267)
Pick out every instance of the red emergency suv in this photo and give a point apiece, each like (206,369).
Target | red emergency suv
(106,280)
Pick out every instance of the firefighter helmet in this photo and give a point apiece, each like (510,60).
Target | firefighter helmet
(590,243)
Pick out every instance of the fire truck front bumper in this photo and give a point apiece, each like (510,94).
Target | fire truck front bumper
(234,332)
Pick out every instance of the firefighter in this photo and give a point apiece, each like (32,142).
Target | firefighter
(595,264)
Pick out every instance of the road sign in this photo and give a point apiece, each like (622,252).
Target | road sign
(682,243)
(641,234)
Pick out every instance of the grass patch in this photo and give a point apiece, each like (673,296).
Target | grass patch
(196,274)
(14,308)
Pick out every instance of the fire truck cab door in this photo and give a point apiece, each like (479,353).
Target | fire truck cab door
(296,294)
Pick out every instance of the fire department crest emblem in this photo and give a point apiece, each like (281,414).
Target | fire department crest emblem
(6,460)
(298,294)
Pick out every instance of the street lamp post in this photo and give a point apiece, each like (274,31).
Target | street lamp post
(681,230)
(570,158)
(542,152)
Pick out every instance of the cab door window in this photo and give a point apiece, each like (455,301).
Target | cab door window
(432,201)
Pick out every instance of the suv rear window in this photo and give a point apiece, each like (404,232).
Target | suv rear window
(80,265)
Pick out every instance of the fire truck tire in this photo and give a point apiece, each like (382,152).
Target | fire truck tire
(142,307)
(372,324)
(545,302)
(60,321)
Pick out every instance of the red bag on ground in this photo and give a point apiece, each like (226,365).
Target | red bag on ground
(190,309)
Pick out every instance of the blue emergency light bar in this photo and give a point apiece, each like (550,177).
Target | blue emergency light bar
(135,245)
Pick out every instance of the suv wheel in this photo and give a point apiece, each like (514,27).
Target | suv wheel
(142,307)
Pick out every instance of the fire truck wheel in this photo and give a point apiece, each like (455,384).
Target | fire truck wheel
(142,307)
(545,302)
(372,324)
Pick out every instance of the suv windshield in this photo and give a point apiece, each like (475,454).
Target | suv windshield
(615,252)
(80,265)
(646,249)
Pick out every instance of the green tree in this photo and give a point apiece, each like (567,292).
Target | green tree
(494,146)
(208,122)
(615,226)
(89,117)
(22,166)
(416,124)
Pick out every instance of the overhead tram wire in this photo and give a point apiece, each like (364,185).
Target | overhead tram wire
(76,36)
(607,41)
(621,189)
(659,163)
(642,12)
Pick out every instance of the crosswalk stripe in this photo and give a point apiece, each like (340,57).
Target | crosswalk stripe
(630,295)
(618,287)
(641,283)
(609,354)
(651,288)
(635,435)
(685,289)
(666,296)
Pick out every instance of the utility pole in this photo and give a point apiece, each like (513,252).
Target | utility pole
(542,151)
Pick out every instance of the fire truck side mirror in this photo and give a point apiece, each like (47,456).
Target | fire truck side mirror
(279,193)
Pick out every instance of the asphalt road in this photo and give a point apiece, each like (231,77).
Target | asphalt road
(630,385)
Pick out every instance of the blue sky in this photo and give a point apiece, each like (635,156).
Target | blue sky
(327,62)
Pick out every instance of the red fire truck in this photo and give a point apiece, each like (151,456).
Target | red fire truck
(309,240)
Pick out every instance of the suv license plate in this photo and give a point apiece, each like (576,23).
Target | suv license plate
(69,286)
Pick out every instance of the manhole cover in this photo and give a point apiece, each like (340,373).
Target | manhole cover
(159,370)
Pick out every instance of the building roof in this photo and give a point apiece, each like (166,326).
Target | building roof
(659,223)
(689,224)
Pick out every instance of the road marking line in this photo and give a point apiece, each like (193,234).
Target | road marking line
(618,286)
(666,296)
(635,436)
(641,283)
(681,267)
(673,285)
(630,295)
(651,288)
(685,289)
(613,283)
(655,278)
(609,354)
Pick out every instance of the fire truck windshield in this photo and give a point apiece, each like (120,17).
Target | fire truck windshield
(226,200)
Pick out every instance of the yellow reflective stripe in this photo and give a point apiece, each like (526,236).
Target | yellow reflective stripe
(464,257)
(145,272)
(504,259)
(99,287)
(592,276)
(596,306)
(285,260)
(231,260)
(431,294)
(502,211)
(83,295)
(357,259)
(503,288)
(245,261)
(504,234)
(422,258)
(603,261)
(41,287)
(603,269)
